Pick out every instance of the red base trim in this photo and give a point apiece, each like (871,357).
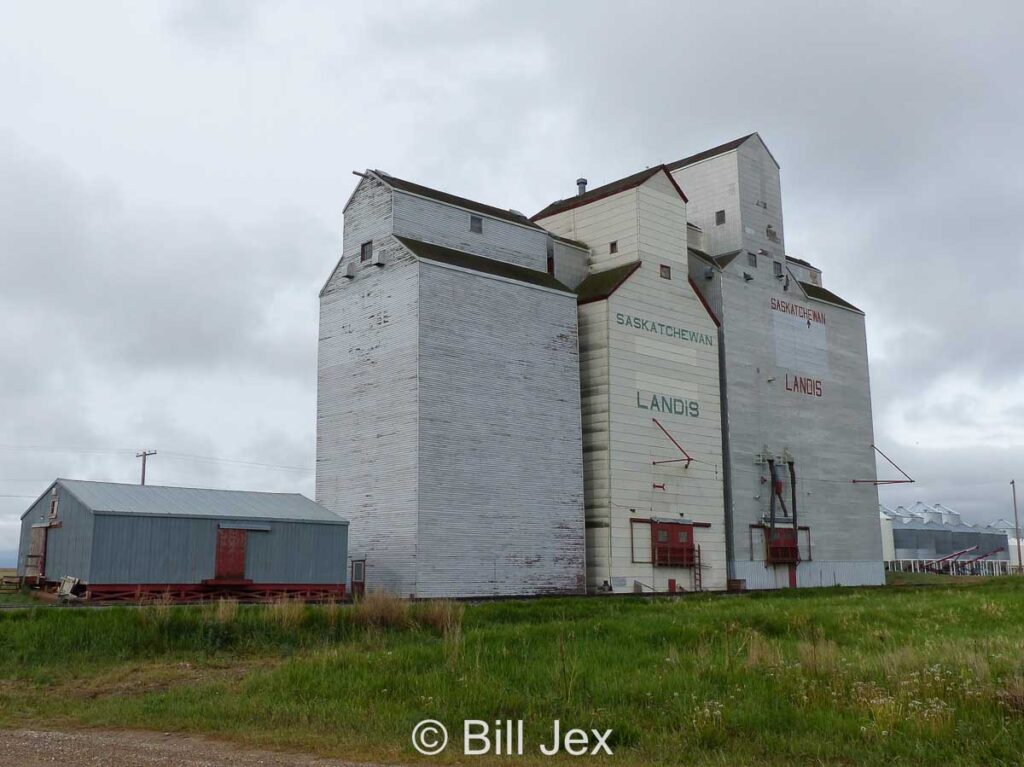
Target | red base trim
(194,592)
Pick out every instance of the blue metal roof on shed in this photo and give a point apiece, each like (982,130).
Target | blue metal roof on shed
(113,498)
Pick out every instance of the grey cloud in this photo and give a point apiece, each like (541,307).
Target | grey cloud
(154,289)
(170,242)
(214,22)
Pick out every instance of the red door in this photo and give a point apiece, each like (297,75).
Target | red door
(230,554)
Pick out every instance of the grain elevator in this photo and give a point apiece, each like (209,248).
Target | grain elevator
(635,390)
(448,417)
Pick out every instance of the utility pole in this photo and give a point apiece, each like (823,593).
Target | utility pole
(1016,522)
(144,455)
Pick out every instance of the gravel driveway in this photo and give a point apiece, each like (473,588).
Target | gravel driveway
(96,748)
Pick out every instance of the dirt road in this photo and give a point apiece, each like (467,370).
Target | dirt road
(94,748)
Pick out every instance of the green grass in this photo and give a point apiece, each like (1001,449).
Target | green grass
(935,579)
(871,676)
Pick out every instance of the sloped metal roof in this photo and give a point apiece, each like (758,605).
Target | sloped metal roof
(114,498)
(464,260)
(452,199)
(600,285)
(821,294)
(599,193)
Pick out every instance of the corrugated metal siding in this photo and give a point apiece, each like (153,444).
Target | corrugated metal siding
(500,472)
(149,549)
(436,222)
(367,409)
(811,574)
(196,502)
(69,546)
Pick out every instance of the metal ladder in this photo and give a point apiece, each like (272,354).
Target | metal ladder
(698,578)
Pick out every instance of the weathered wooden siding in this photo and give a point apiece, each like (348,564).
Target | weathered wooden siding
(647,366)
(599,224)
(436,222)
(368,217)
(500,469)
(712,185)
(829,436)
(623,364)
(760,196)
(672,354)
(146,548)
(594,401)
(572,264)
(68,539)
(367,409)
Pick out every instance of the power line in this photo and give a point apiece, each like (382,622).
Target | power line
(190,456)
(172,455)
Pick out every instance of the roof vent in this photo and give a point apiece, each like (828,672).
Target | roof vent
(515,212)
(581,186)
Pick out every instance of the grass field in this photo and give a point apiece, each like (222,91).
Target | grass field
(873,676)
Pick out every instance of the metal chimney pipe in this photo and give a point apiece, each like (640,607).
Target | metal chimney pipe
(581,186)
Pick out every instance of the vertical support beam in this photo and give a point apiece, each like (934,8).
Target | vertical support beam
(1016,522)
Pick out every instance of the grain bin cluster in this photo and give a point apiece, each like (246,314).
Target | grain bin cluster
(925,537)
(634,390)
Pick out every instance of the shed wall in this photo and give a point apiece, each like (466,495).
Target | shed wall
(145,549)
(69,545)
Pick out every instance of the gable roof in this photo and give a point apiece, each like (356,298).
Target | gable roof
(451,199)
(599,285)
(802,263)
(714,151)
(820,294)
(115,498)
(459,258)
(599,193)
(702,256)
(726,258)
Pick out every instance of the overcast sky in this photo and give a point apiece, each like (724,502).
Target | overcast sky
(172,178)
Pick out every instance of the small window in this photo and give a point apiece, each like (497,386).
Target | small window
(358,571)
(476,224)
(752,259)
(551,264)
(684,536)
(663,536)
(666,272)
(777,268)
(366,251)
(771,234)
(613,246)
(719,217)
(53,509)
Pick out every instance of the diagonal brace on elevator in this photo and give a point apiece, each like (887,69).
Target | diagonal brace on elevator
(877,482)
(682,450)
